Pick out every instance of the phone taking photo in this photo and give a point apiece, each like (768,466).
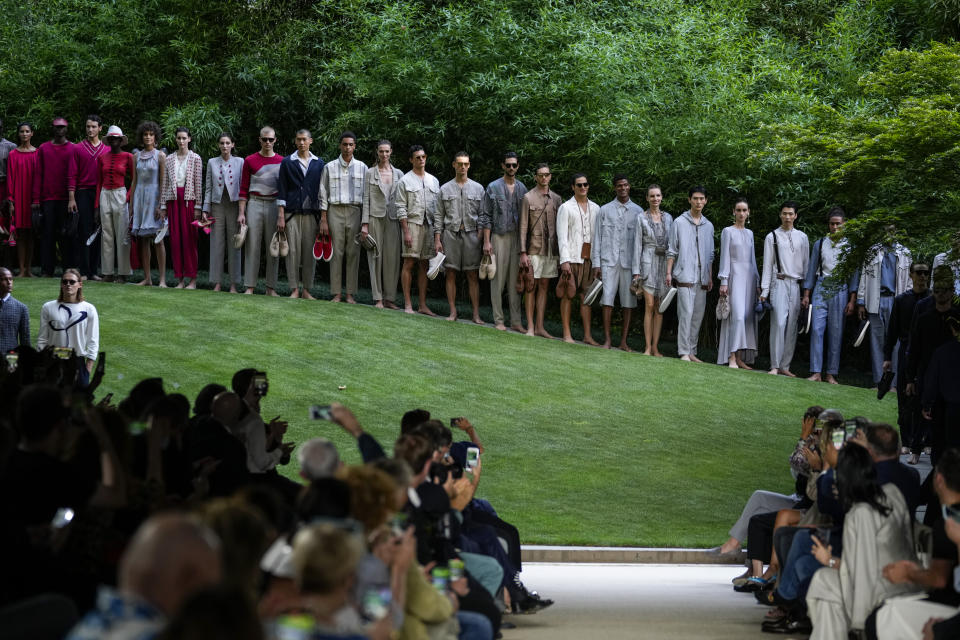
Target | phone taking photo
(838,437)
(473,456)
(321,412)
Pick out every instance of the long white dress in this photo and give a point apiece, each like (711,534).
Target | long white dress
(738,270)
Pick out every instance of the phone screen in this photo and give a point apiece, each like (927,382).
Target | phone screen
(473,455)
(838,436)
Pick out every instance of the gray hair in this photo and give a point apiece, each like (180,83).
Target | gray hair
(318,458)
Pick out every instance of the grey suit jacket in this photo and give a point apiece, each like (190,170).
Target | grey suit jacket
(14,325)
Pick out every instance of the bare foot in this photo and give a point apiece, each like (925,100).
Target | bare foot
(350,299)
(606,344)
(452,317)
(379,304)
(216,287)
(249,291)
(914,459)
(686,358)
(271,292)
(181,284)
(408,310)
(193,284)
(335,298)
(658,354)
(588,339)
(389,304)
(543,333)
(787,373)
(815,378)
(295,294)
(233,289)
(732,364)
(743,365)
(163,284)
(477,320)
(694,358)
(143,283)
(773,372)
(500,327)
(529,332)
(625,347)
(518,328)
(425,310)
(646,352)
(832,380)
(306,295)
(569,338)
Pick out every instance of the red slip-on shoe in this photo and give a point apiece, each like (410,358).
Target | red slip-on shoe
(327,248)
(318,248)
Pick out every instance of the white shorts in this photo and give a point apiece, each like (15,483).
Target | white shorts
(543,266)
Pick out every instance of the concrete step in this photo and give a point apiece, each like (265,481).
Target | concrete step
(625,555)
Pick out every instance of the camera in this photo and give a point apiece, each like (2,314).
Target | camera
(439,472)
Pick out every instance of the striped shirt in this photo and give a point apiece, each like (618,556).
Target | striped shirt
(342,183)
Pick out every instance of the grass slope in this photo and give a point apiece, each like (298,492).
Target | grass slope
(585,446)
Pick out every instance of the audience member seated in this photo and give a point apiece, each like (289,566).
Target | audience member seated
(318,458)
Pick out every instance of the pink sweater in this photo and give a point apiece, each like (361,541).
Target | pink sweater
(50,178)
(82,172)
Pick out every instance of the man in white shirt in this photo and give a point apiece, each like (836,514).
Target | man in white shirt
(615,253)
(786,252)
(690,253)
(831,301)
(417,196)
(574,232)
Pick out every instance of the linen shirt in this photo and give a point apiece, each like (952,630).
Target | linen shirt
(222,174)
(459,206)
(692,248)
(615,236)
(417,198)
(794,249)
(379,199)
(538,223)
(342,183)
(501,210)
(868,291)
(822,269)
(574,227)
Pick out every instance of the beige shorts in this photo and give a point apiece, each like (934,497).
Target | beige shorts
(422,237)
(462,249)
(543,266)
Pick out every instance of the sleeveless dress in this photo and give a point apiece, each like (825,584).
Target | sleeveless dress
(147,195)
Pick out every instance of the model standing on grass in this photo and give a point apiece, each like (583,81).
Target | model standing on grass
(221,196)
(379,219)
(615,254)
(417,196)
(653,267)
(341,196)
(739,282)
(57,224)
(690,268)
(147,216)
(298,212)
(182,190)
(83,175)
(116,170)
(5,218)
(455,233)
(500,224)
(21,166)
(538,246)
(70,321)
(786,251)
(832,301)
(574,232)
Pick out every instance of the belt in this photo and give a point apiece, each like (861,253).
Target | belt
(263,198)
(689,285)
(781,276)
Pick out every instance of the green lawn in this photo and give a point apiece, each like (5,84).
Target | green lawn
(584,446)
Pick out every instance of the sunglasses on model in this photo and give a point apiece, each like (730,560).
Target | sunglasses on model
(582,185)
(267,139)
(511,165)
(70,282)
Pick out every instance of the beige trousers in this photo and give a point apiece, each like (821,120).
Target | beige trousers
(221,240)
(261,225)
(301,234)
(506,248)
(385,270)
(114,231)
(344,223)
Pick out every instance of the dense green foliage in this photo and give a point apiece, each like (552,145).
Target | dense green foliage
(822,101)
(584,446)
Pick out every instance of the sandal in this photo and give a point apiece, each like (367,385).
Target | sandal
(753,584)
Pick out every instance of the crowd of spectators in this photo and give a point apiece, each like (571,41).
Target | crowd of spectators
(146,517)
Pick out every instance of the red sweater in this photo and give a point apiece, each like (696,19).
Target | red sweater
(260,175)
(50,178)
(83,172)
(116,170)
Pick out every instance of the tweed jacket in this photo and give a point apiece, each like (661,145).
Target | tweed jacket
(193,190)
